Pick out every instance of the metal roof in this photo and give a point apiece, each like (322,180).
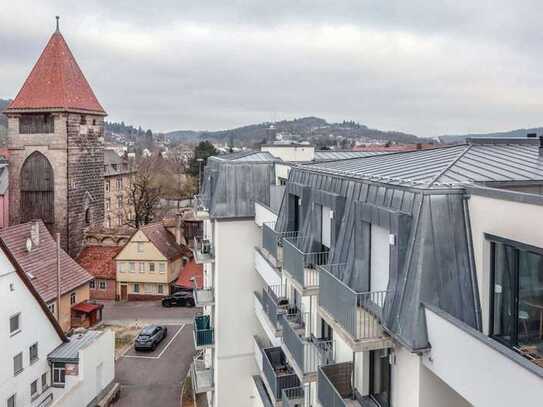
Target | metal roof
(248,156)
(478,162)
(329,155)
(68,352)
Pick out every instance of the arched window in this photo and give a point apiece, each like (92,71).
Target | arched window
(37,189)
(87,216)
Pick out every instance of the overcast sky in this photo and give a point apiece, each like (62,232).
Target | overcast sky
(422,66)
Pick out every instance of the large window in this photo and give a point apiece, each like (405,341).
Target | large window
(380,377)
(33,352)
(59,373)
(379,258)
(36,123)
(17,364)
(516,293)
(14,324)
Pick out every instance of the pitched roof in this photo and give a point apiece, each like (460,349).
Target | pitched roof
(247,156)
(56,82)
(480,161)
(99,261)
(164,241)
(190,270)
(40,264)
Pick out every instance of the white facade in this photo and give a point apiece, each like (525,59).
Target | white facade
(291,152)
(35,327)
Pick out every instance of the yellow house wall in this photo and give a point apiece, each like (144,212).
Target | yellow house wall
(82,293)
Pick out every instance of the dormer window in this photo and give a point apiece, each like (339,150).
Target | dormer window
(36,123)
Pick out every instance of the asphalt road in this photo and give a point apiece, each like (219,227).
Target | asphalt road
(146,310)
(151,379)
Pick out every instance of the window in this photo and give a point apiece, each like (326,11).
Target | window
(108,221)
(161,289)
(51,307)
(136,288)
(17,364)
(14,324)
(139,247)
(326,228)
(94,122)
(152,267)
(379,258)
(11,401)
(380,377)
(92,284)
(33,352)
(36,123)
(87,216)
(34,389)
(161,267)
(83,120)
(120,201)
(59,373)
(132,266)
(102,284)
(142,267)
(120,267)
(119,219)
(119,183)
(44,384)
(516,296)
(108,204)
(72,298)
(106,185)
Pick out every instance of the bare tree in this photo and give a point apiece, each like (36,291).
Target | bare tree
(143,193)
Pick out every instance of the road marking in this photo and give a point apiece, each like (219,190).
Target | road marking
(160,354)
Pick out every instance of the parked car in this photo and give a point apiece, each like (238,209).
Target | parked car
(180,298)
(149,337)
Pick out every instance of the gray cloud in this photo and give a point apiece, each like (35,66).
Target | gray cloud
(422,66)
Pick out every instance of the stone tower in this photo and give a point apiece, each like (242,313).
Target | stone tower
(55,141)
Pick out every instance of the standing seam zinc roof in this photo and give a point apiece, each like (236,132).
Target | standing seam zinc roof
(446,166)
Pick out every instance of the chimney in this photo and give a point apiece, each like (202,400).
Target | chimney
(178,229)
(35,233)
(418,146)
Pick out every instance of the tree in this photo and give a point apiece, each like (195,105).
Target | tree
(203,151)
(143,194)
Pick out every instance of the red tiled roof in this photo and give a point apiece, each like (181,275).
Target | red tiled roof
(40,264)
(56,82)
(191,270)
(99,260)
(164,241)
(86,307)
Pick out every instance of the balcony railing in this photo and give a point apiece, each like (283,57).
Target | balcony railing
(197,204)
(203,296)
(274,302)
(302,265)
(335,385)
(202,376)
(204,334)
(203,250)
(272,241)
(277,372)
(359,313)
(295,397)
(308,352)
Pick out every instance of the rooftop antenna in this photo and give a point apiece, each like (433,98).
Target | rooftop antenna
(58,18)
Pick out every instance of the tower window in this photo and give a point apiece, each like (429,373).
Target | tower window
(87,216)
(83,120)
(36,124)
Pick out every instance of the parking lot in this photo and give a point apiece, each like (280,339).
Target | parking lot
(153,378)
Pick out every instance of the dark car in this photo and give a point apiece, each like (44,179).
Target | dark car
(149,337)
(180,298)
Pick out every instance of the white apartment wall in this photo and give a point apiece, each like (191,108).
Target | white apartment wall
(35,327)
(291,153)
(281,171)
(235,319)
(520,222)
(435,392)
(405,374)
(96,371)
(480,374)
(263,215)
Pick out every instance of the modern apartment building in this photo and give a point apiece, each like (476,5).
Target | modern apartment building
(405,279)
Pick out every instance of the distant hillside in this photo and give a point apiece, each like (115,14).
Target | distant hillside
(458,138)
(311,129)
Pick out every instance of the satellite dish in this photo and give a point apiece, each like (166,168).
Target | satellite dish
(29,245)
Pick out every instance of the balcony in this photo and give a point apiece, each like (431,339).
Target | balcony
(269,304)
(273,242)
(355,315)
(278,374)
(302,265)
(306,352)
(204,334)
(203,251)
(335,387)
(295,397)
(203,296)
(198,208)
(202,376)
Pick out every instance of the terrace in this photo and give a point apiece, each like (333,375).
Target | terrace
(355,315)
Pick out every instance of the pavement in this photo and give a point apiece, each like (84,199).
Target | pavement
(153,378)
